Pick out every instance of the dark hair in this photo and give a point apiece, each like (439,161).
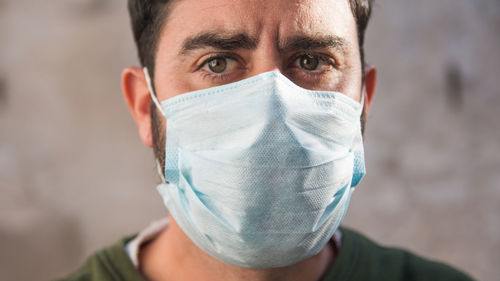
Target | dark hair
(148,16)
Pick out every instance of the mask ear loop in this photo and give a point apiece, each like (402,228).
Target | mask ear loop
(157,103)
(362,102)
(151,91)
(160,172)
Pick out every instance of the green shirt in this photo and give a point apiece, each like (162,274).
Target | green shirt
(359,259)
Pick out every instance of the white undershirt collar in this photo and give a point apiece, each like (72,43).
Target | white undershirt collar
(156,227)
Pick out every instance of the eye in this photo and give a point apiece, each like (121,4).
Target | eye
(313,63)
(221,68)
(217,65)
(308,62)
(313,70)
(220,64)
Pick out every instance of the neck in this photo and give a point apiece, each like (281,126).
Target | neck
(173,256)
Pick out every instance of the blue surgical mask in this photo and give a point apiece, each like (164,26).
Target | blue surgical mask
(260,171)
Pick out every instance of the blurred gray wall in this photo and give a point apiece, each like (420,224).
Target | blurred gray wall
(75,177)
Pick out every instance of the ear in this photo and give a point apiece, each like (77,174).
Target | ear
(369,86)
(136,93)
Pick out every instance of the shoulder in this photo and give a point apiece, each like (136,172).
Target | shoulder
(362,259)
(109,264)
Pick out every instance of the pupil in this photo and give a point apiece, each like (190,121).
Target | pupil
(309,62)
(217,65)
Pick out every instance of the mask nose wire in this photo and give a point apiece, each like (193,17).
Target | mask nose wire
(151,91)
(157,103)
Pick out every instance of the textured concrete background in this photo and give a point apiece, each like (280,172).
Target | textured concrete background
(74,176)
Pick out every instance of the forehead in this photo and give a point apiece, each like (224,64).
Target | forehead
(277,19)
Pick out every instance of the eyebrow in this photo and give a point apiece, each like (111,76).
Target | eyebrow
(309,43)
(219,41)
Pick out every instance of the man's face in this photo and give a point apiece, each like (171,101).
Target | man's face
(207,43)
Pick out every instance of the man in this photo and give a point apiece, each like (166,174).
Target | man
(255,111)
